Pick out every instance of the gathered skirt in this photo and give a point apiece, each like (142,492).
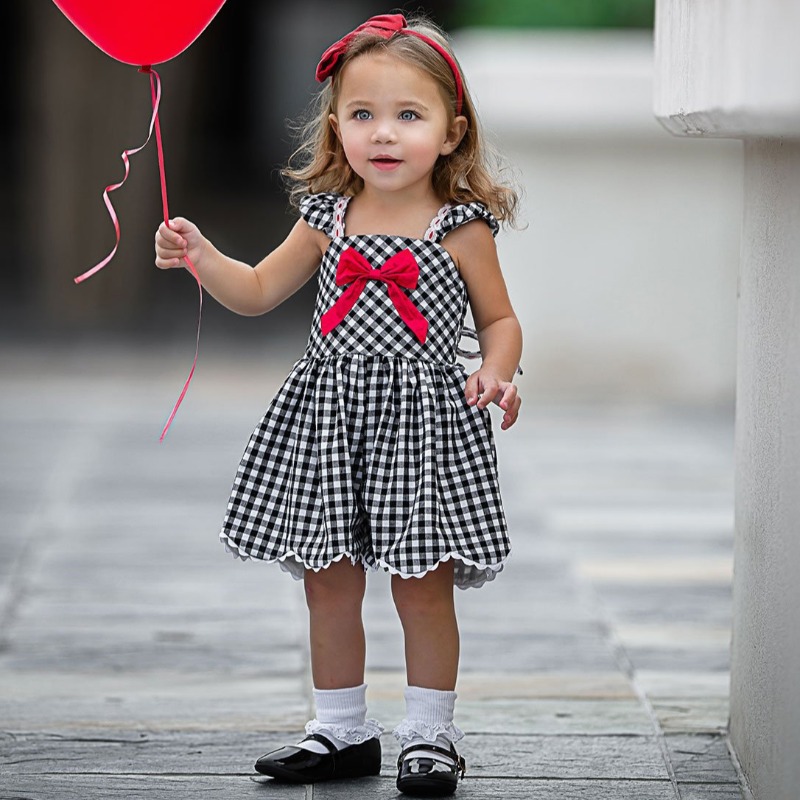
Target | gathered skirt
(374,458)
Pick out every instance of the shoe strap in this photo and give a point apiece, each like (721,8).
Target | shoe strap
(318,737)
(461,765)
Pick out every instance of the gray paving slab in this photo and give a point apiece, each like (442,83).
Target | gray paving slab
(231,787)
(701,758)
(693,715)
(153,701)
(538,716)
(131,646)
(218,753)
(711,791)
(598,757)
(477,788)
(143,787)
(665,658)
(126,752)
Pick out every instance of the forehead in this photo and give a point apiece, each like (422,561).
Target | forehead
(383,75)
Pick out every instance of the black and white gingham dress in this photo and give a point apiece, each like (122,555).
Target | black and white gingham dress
(369,450)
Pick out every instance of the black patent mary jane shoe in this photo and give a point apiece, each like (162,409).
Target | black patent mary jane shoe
(423,776)
(297,765)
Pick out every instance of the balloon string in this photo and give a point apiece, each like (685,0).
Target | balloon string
(114,186)
(155,92)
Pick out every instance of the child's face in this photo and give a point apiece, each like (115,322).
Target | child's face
(392,121)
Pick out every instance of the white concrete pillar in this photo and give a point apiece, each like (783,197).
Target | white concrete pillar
(732,69)
(765,670)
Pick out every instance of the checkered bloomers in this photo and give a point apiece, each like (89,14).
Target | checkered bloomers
(369,450)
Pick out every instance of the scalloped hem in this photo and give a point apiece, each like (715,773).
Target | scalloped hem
(474,579)
(417,729)
(371,729)
(482,572)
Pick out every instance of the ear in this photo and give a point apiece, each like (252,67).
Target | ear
(334,123)
(455,133)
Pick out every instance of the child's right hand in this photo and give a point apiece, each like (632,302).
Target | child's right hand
(181,238)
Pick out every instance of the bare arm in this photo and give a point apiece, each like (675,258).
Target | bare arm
(236,285)
(499,331)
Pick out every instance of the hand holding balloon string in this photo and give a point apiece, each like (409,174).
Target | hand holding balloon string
(177,240)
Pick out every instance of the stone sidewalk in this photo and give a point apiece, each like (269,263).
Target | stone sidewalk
(139,660)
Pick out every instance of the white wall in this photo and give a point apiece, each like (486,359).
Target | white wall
(625,279)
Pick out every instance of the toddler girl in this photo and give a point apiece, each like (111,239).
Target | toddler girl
(377,451)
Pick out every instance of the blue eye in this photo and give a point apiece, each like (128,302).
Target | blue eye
(407,116)
(362,114)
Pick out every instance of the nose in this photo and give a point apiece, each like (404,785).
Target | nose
(383,131)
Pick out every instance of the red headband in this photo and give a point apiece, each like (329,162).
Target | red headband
(386,25)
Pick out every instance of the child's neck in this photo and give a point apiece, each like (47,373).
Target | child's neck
(403,213)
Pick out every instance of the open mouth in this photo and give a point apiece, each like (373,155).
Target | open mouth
(385,162)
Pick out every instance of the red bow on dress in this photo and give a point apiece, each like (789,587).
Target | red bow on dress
(399,270)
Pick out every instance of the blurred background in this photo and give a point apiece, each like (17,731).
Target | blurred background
(623,276)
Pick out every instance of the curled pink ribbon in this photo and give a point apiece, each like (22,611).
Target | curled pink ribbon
(155,94)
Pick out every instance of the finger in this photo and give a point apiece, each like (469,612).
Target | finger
(166,238)
(167,263)
(510,417)
(490,388)
(179,224)
(177,230)
(167,252)
(506,398)
(471,389)
(170,241)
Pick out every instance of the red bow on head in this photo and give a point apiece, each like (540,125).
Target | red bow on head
(399,270)
(386,25)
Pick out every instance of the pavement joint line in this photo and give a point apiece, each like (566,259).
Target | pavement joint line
(606,621)
(744,785)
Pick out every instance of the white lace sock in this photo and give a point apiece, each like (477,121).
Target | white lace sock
(341,718)
(429,720)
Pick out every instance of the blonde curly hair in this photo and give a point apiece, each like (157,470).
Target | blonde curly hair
(470,173)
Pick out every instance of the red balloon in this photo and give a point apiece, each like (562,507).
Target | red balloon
(141,32)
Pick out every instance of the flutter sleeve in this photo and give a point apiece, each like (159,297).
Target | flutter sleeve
(452,217)
(318,211)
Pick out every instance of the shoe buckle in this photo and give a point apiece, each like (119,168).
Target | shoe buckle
(461,765)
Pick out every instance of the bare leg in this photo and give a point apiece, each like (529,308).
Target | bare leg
(427,613)
(334,597)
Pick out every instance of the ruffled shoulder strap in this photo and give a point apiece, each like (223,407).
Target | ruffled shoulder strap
(320,211)
(450,217)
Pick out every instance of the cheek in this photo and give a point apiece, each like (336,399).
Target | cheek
(352,143)
(426,144)
(354,152)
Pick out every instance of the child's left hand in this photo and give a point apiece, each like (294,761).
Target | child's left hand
(485,386)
